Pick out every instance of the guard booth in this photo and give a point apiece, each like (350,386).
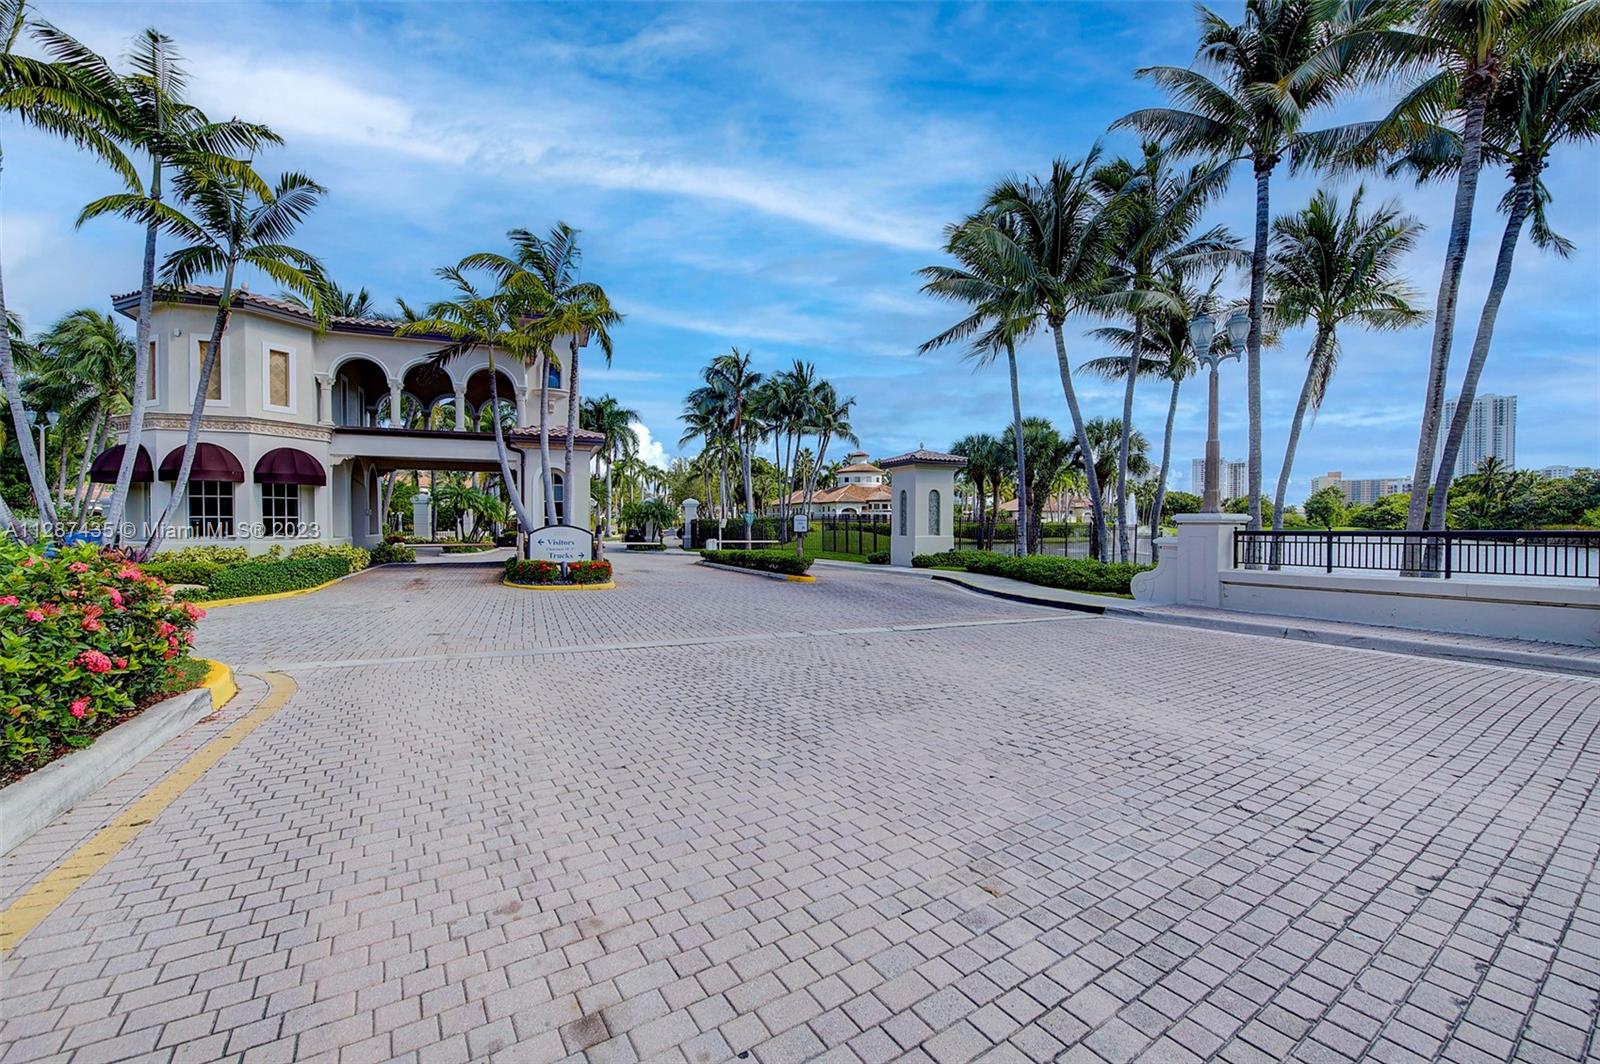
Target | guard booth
(922,491)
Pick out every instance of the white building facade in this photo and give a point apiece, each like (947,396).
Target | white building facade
(1361,491)
(1491,433)
(1233,479)
(299,424)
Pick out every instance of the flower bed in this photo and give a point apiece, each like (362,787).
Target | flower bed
(646,547)
(85,639)
(542,573)
(1069,574)
(766,561)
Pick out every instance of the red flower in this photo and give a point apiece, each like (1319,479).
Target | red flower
(129,571)
(8,600)
(80,708)
(194,612)
(122,663)
(166,627)
(78,567)
(35,616)
(116,597)
(94,661)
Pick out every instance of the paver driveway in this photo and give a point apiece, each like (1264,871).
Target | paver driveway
(712,816)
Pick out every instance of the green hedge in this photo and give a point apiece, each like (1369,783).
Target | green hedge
(878,557)
(1070,574)
(767,561)
(177,570)
(385,553)
(271,577)
(646,546)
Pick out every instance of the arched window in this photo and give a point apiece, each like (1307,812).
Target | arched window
(902,511)
(933,512)
(558,488)
(553,375)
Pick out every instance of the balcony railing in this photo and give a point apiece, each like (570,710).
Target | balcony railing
(1538,555)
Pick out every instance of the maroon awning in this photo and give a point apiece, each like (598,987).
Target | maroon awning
(210,463)
(107,462)
(289,465)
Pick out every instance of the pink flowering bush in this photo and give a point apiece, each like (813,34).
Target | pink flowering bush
(84,638)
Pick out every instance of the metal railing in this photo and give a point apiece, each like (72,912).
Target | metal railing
(860,534)
(1478,552)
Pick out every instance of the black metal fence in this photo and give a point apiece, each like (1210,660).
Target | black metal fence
(1536,554)
(860,534)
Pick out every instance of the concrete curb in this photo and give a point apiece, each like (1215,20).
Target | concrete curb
(38,798)
(245,600)
(608,585)
(759,572)
(1392,644)
(1021,595)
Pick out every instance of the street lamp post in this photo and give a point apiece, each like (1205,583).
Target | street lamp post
(1203,337)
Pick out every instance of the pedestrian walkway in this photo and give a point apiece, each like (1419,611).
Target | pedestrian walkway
(705,817)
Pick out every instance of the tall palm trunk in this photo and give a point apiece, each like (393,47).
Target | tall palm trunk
(30,454)
(1022,470)
(501,451)
(180,486)
(994,512)
(141,363)
(1258,291)
(1127,435)
(572,430)
(611,460)
(1096,503)
(1166,465)
(544,443)
(1319,355)
(1521,205)
(1444,314)
(80,489)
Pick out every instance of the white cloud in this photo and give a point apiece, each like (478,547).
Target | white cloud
(650,448)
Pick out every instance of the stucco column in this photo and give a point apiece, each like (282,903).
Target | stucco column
(396,391)
(461,407)
(324,398)
(522,405)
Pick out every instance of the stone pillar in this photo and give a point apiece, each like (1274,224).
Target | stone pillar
(1192,563)
(396,393)
(922,506)
(522,406)
(324,398)
(422,515)
(461,407)
(691,510)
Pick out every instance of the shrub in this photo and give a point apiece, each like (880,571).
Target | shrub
(768,561)
(950,559)
(467,548)
(269,577)
(1072,574)
(397,537)
(535,571)
(878,557)
(176,570)
(84,637)
(357,557)
(647,546)
(385,553)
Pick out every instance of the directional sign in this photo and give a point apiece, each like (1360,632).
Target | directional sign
(561,543)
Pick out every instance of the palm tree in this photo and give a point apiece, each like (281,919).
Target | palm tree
(1156,212)
(231,226)
(475,320)
(1536,107)
(86,367)
(1167,355)
(702,419)
(562,305)
(1466,47)
(731,388)
(830,421)
(615,422)
(993,279)
(986,461)
(1266,86)
(1332,265)
(1048,455)
(76,103)
(784,406)
(337,302)
(1065,239)
(1105,443)
(153,118)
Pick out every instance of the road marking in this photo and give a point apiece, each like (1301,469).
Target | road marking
(41,899)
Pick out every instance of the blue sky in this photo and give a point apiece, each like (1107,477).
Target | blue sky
(770,177)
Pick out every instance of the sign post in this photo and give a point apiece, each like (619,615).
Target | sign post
(749,522)
(802,525)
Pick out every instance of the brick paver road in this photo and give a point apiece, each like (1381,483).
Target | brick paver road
(708,816)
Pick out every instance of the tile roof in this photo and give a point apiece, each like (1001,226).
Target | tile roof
(926,457)
(846,493)
(207,295)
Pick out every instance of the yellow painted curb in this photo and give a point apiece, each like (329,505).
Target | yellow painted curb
(41,899)
(219,679)
(243,599)
(802,579)
(607,586)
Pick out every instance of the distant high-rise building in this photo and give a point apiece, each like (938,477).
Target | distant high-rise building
(1557,472)
(1233,479)
(1491,431)
(1362,491)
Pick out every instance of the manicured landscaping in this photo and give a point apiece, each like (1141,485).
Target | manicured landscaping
(232,572)
(646,548)
(465,548)
(1069,574)
(86,639)
(548,574)
(766,561)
